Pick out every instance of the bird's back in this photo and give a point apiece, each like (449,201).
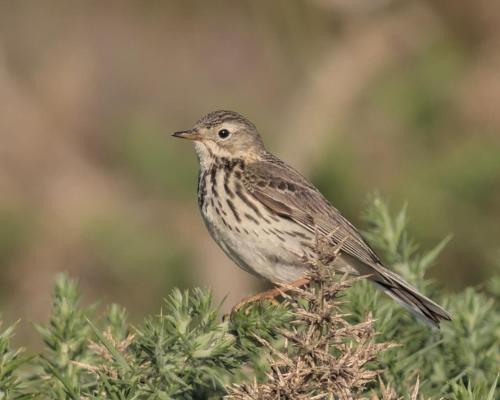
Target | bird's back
(290,196)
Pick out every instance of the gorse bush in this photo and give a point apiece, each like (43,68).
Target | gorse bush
(336,338)
(464,353)
(322,353)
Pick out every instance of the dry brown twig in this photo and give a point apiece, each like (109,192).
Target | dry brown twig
(324,356)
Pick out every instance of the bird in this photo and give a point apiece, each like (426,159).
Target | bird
(266,216)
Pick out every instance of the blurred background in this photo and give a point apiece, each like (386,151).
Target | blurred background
(399,96)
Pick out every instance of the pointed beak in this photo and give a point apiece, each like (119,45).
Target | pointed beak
(190,134)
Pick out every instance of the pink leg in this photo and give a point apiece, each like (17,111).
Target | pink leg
(270,294)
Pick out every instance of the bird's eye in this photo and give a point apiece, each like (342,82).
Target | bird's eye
(223,133)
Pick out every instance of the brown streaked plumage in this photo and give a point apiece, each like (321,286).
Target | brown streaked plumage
(266,216)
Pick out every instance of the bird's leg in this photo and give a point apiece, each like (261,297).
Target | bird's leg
(270,294)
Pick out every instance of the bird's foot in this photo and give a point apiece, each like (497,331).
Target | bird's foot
(270,294)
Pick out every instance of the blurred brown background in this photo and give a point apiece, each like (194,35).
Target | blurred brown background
(401,96)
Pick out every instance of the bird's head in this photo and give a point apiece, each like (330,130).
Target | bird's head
(224,134)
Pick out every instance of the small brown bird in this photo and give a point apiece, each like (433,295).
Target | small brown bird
(266,216)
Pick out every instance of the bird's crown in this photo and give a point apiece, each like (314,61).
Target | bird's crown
(216,118)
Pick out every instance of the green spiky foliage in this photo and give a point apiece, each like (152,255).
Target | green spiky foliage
(461,357)
(66,340)
(187,351)
(11,384)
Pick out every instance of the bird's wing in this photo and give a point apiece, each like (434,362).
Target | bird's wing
(287,193)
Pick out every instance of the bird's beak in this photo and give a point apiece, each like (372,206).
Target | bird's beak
(190,134)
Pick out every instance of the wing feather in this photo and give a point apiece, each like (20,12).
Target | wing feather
(288,194)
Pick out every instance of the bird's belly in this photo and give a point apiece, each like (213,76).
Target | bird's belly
(274,250)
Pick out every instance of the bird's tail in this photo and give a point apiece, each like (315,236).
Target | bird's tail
(395,286)
(406,295)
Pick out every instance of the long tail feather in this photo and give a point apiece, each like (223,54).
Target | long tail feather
(395,286)
(421,306)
